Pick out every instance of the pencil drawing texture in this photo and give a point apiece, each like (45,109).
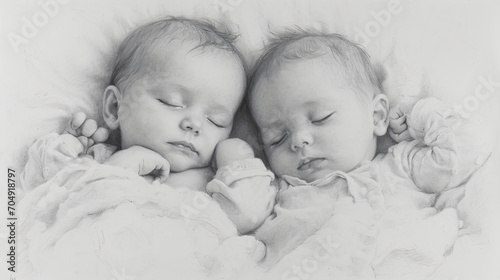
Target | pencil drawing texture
(254,140)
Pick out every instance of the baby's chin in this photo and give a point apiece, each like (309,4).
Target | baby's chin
(310,176)
(321,173)
(316,175)
(179,164)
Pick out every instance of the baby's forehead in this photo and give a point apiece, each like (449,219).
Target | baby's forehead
(169,59)
(301,72)
(184,50)
(191,75)
(326,61)
(281,70)
(302,95)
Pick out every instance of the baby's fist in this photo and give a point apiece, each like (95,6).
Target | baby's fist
(230,150)
(398,128)
(79,126)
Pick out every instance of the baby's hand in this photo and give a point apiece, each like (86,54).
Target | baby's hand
(230,150)
(145,162)
(398,128)
(86,130)
(247,202)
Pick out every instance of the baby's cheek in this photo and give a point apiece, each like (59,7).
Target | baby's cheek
(208,151)
(280,165)
(205,159)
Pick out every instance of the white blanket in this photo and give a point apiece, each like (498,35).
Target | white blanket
(99,222)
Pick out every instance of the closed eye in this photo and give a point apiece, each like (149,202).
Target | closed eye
(170,104)
(279,141)
(217,123)
(323,118)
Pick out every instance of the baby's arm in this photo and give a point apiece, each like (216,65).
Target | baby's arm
(434,160)
(242,186)
(53,152)
(142,161)
(47,156)
(86,130)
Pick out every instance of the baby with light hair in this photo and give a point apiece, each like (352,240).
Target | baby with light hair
(318,102)
(165,105)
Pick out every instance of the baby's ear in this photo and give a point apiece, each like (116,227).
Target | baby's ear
(111,102)
(380,114)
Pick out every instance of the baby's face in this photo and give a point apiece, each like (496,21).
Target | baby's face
(184,107)
(312,122)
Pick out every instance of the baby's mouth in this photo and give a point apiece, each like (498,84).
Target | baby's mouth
(308,163)
(184,146)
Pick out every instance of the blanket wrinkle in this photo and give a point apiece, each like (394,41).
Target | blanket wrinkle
(107,218)
(346,215)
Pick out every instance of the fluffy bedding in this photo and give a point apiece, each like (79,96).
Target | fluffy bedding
(92,221)
(447,49)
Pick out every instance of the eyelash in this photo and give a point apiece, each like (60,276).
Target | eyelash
(279,142)
(216,124)
(170,105)
(323,119)
(180,107)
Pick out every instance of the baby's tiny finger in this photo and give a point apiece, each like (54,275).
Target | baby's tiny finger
(397,127)
(84,140)
(163,175)
(149,178)
(77,120)
(162,170)
(394,136)
(399,137)
(395,112)
(89,127)
(100,135)
(405,136)
(90,142)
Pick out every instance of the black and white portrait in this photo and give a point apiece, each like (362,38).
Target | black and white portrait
(250,139)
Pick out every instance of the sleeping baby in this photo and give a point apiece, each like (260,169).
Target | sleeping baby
(320,109)
(165,103)
(174,90)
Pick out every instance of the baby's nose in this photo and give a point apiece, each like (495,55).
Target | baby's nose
(300,140)
(191,124)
